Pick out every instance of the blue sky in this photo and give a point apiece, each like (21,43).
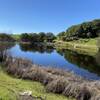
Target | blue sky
(19,16)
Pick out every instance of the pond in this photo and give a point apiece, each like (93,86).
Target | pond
(80,64)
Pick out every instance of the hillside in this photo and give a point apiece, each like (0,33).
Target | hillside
(84,30)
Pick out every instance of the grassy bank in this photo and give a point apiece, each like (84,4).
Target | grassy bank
(88,46)
(10,87)
(55,80)
(16,36)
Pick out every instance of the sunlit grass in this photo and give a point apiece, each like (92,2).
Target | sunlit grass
(92,41)
(84,46)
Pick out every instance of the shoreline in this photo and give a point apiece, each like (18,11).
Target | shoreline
(55,80)
(79,48)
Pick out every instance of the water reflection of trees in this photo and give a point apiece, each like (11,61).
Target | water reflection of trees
(98,57)
(36,48)
(98,54)
(87,62)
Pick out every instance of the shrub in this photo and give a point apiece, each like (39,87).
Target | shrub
(57,86)
(6,37)
(84,94)
(38,74)
(17,66)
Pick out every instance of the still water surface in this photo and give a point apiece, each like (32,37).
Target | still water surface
(80,64)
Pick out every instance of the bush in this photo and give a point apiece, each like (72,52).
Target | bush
(6,37)
(57,86)
(38,74)
(17,66)
(84,94)
(34,37)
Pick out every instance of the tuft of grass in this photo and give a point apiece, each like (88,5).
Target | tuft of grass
(57,86)
(10,88)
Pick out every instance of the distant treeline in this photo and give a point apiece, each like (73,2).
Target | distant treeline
(6,37)
(28,37)
(75,32)
(84,30)
(40,37)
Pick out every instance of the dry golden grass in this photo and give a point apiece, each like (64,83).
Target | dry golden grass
(55,80)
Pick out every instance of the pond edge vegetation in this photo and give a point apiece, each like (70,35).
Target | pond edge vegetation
(55,80)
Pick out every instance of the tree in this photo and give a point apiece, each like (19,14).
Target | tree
(6,37)
(84,30)
(34,37)
(61,35)
(42,36)
(25,37)
(50,37)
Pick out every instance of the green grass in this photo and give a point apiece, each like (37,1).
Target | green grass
(91,42)
(87,46)
(10,88)
(16,36)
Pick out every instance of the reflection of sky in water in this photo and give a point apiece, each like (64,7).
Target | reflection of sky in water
(52,59)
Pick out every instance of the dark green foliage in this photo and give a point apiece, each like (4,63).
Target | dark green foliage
(42,36)
(84,30)
(50,37)
(25,37)
(61,35)
(34,37)
(6,37)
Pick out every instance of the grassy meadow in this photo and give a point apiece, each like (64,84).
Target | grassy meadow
(86,46)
